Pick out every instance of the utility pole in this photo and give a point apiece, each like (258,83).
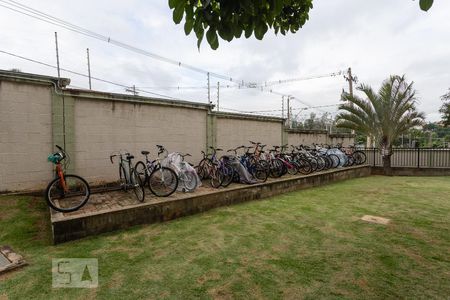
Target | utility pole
(218,95)
(132,90)
(63,100)
(89,68)
(209,89)
(288,111)
(353,79)
(57,55)
(282,107)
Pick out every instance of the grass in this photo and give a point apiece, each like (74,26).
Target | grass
(308,244)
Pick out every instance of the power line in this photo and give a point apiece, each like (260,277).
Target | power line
(279,110)
(34,13)
(81,74)
(174,87)
(288,80)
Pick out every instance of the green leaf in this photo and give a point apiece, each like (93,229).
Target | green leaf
(260,30)
(173,3)
(425,5)
(211,37)
(188,26)
(237,31)
(226,33)
(199,40)
(248,31)
(178,12)
(248,6)
(278,6)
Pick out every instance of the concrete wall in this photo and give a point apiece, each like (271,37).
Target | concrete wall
(236,130)
(25,135)
(91,125)
(307,137)
(102,127)
(343,139)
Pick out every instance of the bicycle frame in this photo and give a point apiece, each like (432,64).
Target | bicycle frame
(60,173)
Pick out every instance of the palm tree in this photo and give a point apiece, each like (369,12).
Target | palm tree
(383,116)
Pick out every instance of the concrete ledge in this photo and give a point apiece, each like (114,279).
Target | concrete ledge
(243,116)
(408,171)
(67,228)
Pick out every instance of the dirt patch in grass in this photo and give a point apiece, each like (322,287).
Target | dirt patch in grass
(222,292)
(131,252)
(210,276)
(116,281)
(3,297)
(9,208)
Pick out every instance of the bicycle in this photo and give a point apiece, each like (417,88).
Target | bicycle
(128,177)
(161,181)
(67,192)
(186,174)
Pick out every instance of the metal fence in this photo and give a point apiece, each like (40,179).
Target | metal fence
(411,157)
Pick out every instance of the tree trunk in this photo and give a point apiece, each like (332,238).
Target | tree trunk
(387,165)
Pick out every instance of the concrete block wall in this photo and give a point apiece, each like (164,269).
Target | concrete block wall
(102,127)
(34,116)
(236,130)
(25,135)
(343,139)
(304,137)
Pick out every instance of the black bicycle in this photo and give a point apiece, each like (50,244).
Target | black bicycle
(128,177)
(161,181)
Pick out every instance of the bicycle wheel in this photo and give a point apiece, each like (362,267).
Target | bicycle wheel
(216,177)
(227,172)
(320,163)
(137,186)
(304,166)
(141,170)
(292,169)
(335,160)
(189,180)
(328,162)
(201,169)
(260,172)
(276,168)
(314,163)
(72,198)
(163,181)
(122,178)
(360,157)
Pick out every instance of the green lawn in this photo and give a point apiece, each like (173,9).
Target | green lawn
(307,244)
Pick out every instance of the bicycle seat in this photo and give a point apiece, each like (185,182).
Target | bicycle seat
(145,152)
(218,149)
(130,157)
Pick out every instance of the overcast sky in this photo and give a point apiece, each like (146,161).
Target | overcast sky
(376,38)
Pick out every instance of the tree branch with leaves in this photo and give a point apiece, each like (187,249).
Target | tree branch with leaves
(445,109)
(230,19)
